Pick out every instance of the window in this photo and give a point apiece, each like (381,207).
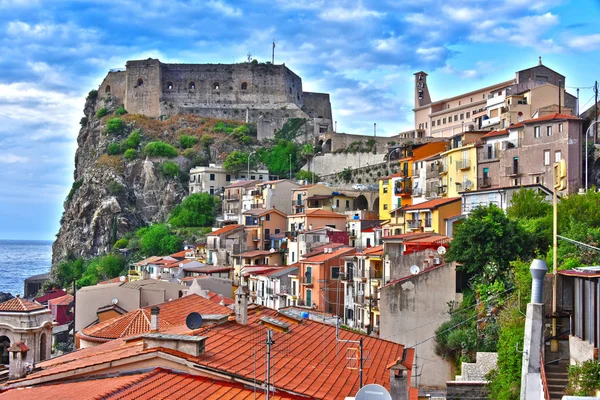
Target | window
(385,206)
(192,86)
(456,118)
(557,156)
(425,125)
(244,86)
(539,179)
(227,178)
(107,90)
(471,99)
(549,130)
(546,157)
(337,203)
(468,114)
(444,120)
(140,82)
(536,131)
(309,298)
(252,176)
(215,86)
(212,190)
(212,177)
(439,122)
(335,272)
(169,85)
(462,116)
(560,127)
(293,260)
(347,204)
(459,102)
(268,217)
(308,275)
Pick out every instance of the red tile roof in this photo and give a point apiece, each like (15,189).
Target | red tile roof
(113,280)
(180,254)
(409,235)
(303,363)
(434,239)
(496,133)
(550,118)
(254,253)
(317,212)
(242,183)
(50,295)
(225,229)
(172,313)
(431,204)
(580,273)
(321,258)
(61,301)
(157,384)
(18,304)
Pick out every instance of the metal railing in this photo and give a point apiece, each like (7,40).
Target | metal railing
(513,170)
(463,164)
(414,223)
(485,182)
(487,155)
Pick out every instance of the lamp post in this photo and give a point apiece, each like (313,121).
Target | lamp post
(593,124)
(249,154)
(388,159)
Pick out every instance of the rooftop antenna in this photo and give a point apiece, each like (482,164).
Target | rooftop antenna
(273,53)
(193,321)
(249,55)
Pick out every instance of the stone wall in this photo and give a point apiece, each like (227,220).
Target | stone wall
(466,390)
(330,164)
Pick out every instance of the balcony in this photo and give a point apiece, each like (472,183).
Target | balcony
(485,182)
(414,223)
(232,197)
(490,121)
(306,281)
(463,164)
(514,170)
(257,206)
(416,173)
(443,169)
(433,173)
(488,154)
(417,192)
(297,203)
(442,189)
(403,191)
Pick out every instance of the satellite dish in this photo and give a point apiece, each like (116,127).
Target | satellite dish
(373,391)
(193,320)
(441,250)
(122,278)
(185,247)
(333,206)
(360,292)
(415,270)
(115,301)
(272,250)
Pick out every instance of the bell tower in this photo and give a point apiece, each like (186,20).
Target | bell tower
(421,91)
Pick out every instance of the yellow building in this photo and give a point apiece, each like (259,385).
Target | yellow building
(431,216)
(459,171)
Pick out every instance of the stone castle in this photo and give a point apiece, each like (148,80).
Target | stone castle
(265,94)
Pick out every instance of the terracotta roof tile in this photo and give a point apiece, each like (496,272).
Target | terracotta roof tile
(317,212)
(409,235)
(62,301)
(431,204)
(50,295)
(495,133)
(336,252)
(18,304)
(551,117)
(113,280)
(225,229)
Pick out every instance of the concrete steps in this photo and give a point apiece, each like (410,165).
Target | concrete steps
(557,379)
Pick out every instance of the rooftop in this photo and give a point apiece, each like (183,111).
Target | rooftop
(225,229)
(61,301)
(17,304)
(431,204)
(321,258)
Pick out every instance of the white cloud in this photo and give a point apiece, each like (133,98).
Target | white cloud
(226,9)
(390,44)
(464,14)
(418,19)
(49,31)
(431,53)
(585,42)
(346,14)
(12,158)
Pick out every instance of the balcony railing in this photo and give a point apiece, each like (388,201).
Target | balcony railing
(414,223)
(514,170)
(463,164)
(489,155)
(433,174)
(416,173)
(232,197)
(483,183)
(297,203)
(444,169)
(417,192)
(442,189)
(255,206)
(403,191)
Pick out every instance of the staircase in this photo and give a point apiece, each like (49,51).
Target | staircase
(557,378)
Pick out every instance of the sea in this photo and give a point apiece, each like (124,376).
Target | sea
(20,259)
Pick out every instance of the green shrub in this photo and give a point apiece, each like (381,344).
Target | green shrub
(199,161)
(584,379)
(115,126)
(189,153)
(121,244)
(130,154)
(115,187)
(120,111)
(219,127)
(160,149)
(187,141)
(113,149)
(101,112)
(198,209)
(133,140)
(170,169)
(76,185)
(92,95)
(304,175)
(206,140)
(83,121)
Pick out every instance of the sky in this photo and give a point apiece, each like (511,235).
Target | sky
(364,53)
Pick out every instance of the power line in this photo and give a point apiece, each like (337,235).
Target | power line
(582,107)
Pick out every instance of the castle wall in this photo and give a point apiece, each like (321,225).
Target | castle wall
(317,105)
(142,87)
(113,85)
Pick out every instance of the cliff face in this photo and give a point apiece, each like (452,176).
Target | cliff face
(112,196)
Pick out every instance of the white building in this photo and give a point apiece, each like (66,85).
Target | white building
(213,178)
(272,287)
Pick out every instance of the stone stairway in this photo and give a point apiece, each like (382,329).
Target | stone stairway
(557,378)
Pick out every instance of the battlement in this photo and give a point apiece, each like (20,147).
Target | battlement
(265,94)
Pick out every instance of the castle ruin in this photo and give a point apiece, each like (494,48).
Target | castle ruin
(265,94)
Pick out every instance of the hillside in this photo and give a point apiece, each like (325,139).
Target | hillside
(121,183)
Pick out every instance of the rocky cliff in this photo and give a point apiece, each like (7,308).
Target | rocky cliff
(112,195)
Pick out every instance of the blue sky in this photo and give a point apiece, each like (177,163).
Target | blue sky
(361,52)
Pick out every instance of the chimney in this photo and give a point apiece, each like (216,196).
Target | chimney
(192,345)
(538,271)
(540,62)
(145,274)
(241,305)
(16,364)
(399,380)
(154,311)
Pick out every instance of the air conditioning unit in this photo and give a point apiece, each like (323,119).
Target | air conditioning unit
(436,261)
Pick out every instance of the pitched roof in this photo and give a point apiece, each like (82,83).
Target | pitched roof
(495,133)
(225,229)
(317,212)
(301,365)
(172,313)
(61,301)
(409,235)
(242,183)
(159,383)
(263,211)
(433,239)
(431,204)
(551,117)
(50,295)
(113,280)
(18,304)
(254,253)
(320,258)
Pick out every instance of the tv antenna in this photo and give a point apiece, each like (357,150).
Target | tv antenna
(193,320)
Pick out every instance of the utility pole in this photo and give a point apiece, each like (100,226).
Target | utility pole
(578,102)
(360,370)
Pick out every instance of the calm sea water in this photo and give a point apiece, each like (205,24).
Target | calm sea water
(20,259)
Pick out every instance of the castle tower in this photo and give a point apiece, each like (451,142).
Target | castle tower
(421,91)
(142,87)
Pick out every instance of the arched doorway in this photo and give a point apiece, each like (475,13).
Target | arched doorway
(43,347)
(361,203)
(327,146)
(4,345)
(107,89)
(375,205)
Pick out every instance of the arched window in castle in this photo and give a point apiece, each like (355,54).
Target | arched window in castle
(244,86)
(107,90)
(216,86)
(192,86)
(140,82)
(170,86)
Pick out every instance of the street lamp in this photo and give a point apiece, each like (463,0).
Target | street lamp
(388,159)
(313,168)
(586,152)
(249,154)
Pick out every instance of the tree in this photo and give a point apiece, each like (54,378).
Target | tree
(277,159)
(198,209)
(486,243)
(529,204)
(236,161)
(157,240)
